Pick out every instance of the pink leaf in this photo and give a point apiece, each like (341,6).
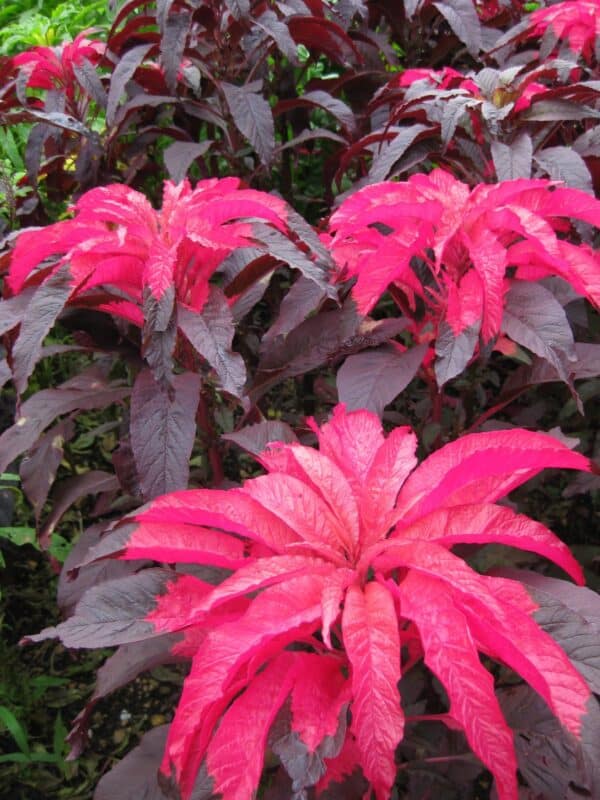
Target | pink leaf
(481,468)
(490,523)
(451,655)
(234,758)
(371,640)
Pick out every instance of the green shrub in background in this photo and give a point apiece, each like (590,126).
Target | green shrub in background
(30,23)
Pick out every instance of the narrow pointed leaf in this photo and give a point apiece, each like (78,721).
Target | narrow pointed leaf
(162,431)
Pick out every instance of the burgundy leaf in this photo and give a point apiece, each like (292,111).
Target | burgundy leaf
(324,36)
(134,777)
(453,352)
(163,426)
(86,391)
(566,165)
(45,306)
(373,379)
(304,297)
(113,613)
(571,615)
(13,309)
(255,438)
(536,320)
(129,661)
(211,334)
(72,489)
(73,582)
(253,117)
(392,151)
(38,468)
(513,160)
(462,18)
(121,76)
(179,156)
(552,762)
(172,45)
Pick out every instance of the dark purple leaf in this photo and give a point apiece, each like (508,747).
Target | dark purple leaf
(13,310)
(321,35)
(348,9)
(179,156)
(279,246)
(374,378)
(309,135)
(138,101)
(304,297)
(255,438)
(279,32)
(211,333)
(163,426)
(5,373)
(163,8)
(535,319)
(320,99)
(252,116)
(71,490)
(45,306)
(391,152)
(453,353)
(90,82)
(172,45)
(135,776)
(158,346)
(571,615)
(129,661)
(316,341)
(462,18)
(57,119)
(557,111)
(513,160)
(121,76)
(553,762)
(564,164)
(88,390)
(34,150)
(304,767)
(240,9)
(73,583)
(112,613)
(38,467)
(453,110)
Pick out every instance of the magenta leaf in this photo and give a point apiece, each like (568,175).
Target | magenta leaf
(163,426)
(371,639)
(452,656)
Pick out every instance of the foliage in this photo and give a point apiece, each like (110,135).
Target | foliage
(410,243)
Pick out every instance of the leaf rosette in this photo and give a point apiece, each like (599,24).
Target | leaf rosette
(335,559)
